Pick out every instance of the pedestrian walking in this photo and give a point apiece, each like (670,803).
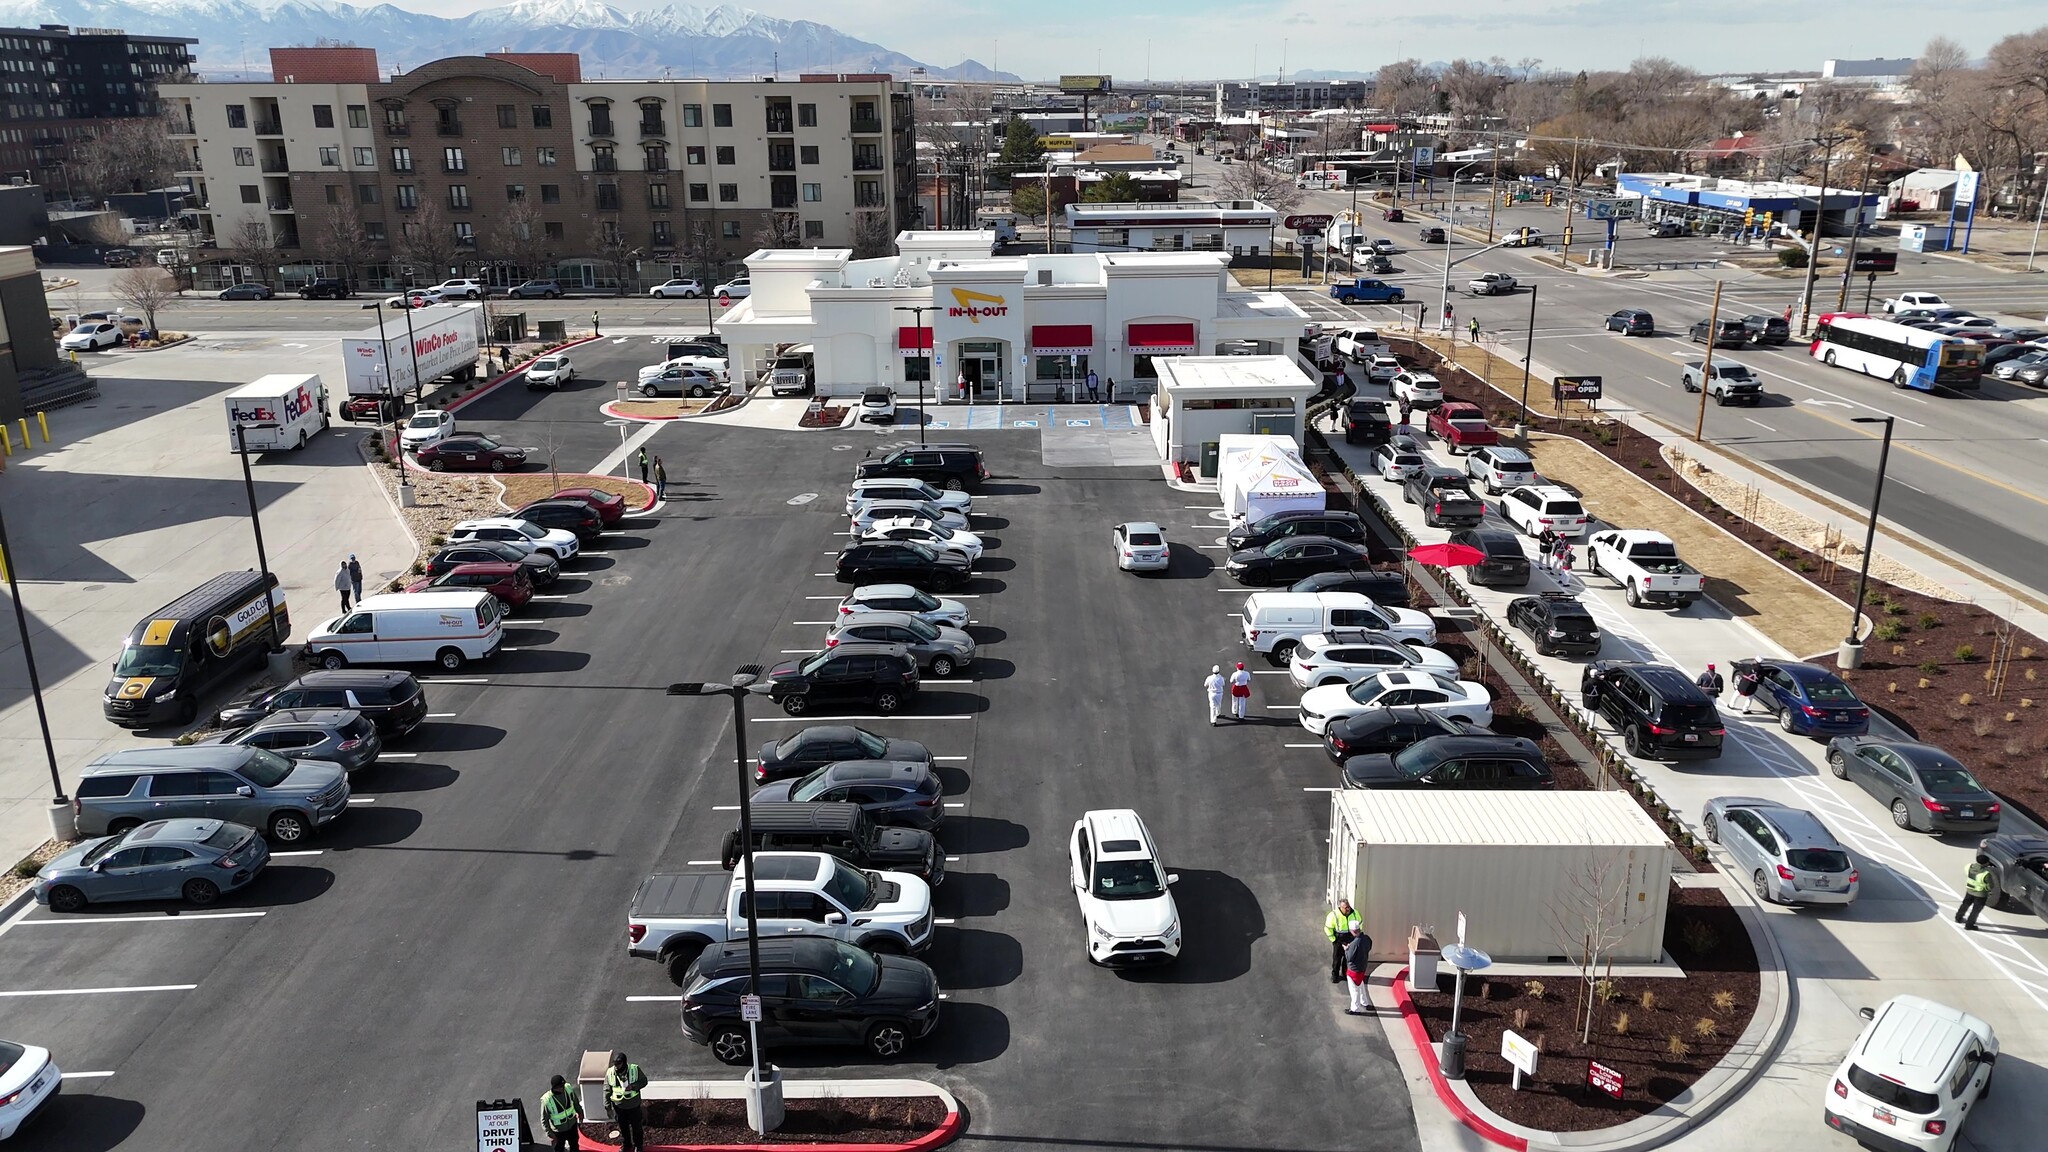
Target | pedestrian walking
(355,577)
(1356,953)
(643,465)
(561,1110)
(1976,890)
(1240,692)
(660,480)
(343,584)
(1094,386)
(623,1082)
(1745,684)
(1337,926)
(1710,682)
(1444,325)
(1217,688)
(1546,549)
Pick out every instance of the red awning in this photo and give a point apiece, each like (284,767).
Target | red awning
(1062,339)
(1156,339)
(913,341)
(1382,127)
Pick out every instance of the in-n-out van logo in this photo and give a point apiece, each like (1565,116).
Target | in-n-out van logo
(975,305)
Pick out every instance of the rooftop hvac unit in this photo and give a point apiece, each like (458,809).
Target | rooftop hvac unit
(1045,277)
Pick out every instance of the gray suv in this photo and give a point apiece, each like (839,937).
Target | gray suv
(938,650)
(286,799)
(336,735)
(901,793)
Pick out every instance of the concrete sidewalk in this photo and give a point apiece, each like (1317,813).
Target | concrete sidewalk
(136,502)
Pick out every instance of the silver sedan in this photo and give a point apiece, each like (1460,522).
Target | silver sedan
(1140,547)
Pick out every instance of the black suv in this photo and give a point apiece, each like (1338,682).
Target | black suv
(1558,624)
(1446,498)
(1660,714)
(813,991)
(1733,333)
(393,701)
(838,828)
(569,515)
(956,467)
(882,676)
(1766,329)
(1632,322)
(1506,565)
(1388,588)
(900,562)
(1385,731)
(1487,761)
(1367,422)
(825,744)
(325,289)
(540,568)
(1432,235)
(1345,526)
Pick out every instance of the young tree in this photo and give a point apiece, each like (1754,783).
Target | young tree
(146,290)
(702,255)
(252,243)
(871,235)
(341,239)
(519,235)
(1028,200)
(779,230)
(609,244)
(427,244)
(1590,921)
(1115,188)
(1021,149)
(1250,180)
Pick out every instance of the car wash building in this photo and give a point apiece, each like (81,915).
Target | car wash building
(947,318)
(1728,205)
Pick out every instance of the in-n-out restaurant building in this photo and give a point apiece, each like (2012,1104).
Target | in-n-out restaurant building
(945,311)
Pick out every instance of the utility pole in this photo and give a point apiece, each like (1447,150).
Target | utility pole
(1855,233)
(1528,355)
(1827,155)
(2033,246)
(1564,253)
(1493,190)
(1699,425)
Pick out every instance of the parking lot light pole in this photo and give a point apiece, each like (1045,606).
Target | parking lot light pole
(59,803)
(917,312)
(406,498)
(1851,654)
(764,1099)
(1528,355)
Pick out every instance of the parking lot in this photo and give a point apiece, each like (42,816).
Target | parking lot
(460,933)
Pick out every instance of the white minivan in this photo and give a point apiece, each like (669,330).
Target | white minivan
(444,628)
(1275,622)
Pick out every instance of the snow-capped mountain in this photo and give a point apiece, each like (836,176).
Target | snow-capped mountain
(723,41)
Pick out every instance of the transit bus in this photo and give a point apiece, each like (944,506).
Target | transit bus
(1908,357)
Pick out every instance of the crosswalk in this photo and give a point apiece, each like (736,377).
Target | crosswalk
(1112,417)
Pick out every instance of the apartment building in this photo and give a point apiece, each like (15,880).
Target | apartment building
(59,83)
(512,165)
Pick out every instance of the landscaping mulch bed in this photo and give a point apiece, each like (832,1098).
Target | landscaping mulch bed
(826,417)
(1661,1033)
(850,1120)
(1949,673)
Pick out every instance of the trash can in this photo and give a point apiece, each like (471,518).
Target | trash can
(1423,955)
(1212,454)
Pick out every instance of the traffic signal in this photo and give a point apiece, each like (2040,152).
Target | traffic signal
(1546,198)
(1567,235)
(1749,217)
(1767,221)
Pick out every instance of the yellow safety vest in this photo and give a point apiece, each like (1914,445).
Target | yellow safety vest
(1979,880)
(558,1111)
(1336,923)
(621,1091)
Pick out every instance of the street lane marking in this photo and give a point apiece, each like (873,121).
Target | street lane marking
(156,918)
(653,999)
(301,852)
(383,756)
(1760,424)
(103,991)
(808,719)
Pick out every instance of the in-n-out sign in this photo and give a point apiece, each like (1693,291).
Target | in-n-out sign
(1520,1054)
(974,305)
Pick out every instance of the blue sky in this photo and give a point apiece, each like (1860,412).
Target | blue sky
(1191,39)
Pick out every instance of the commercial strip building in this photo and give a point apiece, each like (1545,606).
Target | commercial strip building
(1725,203)
(1012,328)
(511,165)
(65,83)
(1236,227)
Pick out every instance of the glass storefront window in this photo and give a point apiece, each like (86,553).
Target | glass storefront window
(1051,369)
(917,369)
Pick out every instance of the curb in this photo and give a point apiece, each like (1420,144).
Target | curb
(157,348)
(948,1130)
(1481,1124)
(609,409)
(492,385)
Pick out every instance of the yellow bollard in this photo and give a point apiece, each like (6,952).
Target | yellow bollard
(6,441)
(43,422)
(24,433)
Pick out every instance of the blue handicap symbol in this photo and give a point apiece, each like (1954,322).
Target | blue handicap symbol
(938,424)
(1024,424)
(1078,423)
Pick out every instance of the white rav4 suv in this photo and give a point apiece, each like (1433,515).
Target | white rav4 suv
(1117,877)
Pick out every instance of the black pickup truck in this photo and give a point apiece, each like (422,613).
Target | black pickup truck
(1446,498)
(2019,871)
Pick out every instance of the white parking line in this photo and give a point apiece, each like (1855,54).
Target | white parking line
(949,757)
(593,554)
(1271,672)
(824,597)
(807,719)
(440,715)
(444,680)
(1318,789)
(1283,707)
(103,991)
(952,859)
(382,756)
(1215,548)
(702,863)
(153,918)
(796,651)
(939,920)
(823,573)
(301,852)
(362,799)
(1301,745)
(956,804)
(801,622)
(922,682)
(87,1075)
(726,808)
(549,596)
(1760,424)
(653,999)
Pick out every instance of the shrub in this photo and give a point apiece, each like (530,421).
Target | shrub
(1676,1045)
(1646,465)
(1534,988)
(1894,608)
(1966,652)
(1706,1027)
(1605,991)
(1699,936)
(1781,553)
(1888,630)
(1724,1001)
(1521,1019)
(1648,1000)
(436,540)
(1794,257)
(1929,620)
(1805,565)
(1928,666)
(419,567)
(1620,1024)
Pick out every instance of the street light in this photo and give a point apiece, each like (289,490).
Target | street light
(1851,654)
(918,311)
(764,1100)
(59,806)
(1450,241)
(406,497)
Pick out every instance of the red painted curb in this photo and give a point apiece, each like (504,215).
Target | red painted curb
(608,410)
(945,1133)
(1450,1101)
(492,385)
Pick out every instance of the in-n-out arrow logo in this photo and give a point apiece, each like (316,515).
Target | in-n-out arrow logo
(975,305)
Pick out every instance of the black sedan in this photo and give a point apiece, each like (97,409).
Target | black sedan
(814,991)
(540,569)
(245,292)
(569,515)
(824,744)
(1295,558)
(1388,588)
(1479,761)
(1926,789)
(901,562)
(1385,731)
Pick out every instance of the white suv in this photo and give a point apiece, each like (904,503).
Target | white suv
(1128,912)
(1418,389)
(461,289)
(1499,469)
(1347,656)
(1909,1080)
(524,535)
(1534,507)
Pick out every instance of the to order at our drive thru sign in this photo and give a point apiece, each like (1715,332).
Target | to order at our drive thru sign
(497,1130)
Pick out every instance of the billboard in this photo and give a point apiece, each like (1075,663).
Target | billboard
(1084,85)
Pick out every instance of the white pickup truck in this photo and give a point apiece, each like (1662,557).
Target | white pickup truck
(1491,284)
(675,915)
(1647,567)
(1727,381)
(1914,301)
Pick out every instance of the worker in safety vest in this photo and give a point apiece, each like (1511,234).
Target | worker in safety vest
(1337,928)
(561,1110)
(622,1084)
(1976,890)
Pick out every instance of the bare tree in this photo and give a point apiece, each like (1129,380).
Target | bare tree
(702,255)
(130,155)
(1251,180)
(146,290)
(1937,117)
(871,234)
(1406,86)
(1590,921)
(252,243)
(427,243)
(779,230)
(340,238)
(609,244)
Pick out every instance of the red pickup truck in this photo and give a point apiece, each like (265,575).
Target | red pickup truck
(1462,427)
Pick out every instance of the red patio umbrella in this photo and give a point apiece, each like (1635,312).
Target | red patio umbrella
(1446,555)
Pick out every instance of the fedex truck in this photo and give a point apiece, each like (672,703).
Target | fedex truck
(444,339)
(282,410)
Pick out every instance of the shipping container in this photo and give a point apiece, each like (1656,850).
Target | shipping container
(444,339)
(1525,868)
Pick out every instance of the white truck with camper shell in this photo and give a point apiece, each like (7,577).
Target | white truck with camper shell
(1646,566)
(281,410)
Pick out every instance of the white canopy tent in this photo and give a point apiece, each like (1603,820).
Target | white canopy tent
(1257,484)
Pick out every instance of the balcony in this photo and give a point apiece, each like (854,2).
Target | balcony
(657,167)
(281,204)
(870,200)
(448,128)
(780,202)
(647,129)
(867,163)
(269,128)
(454,166)
(781,125)
(867,125)
(781,160)
(398,129)
(601,129)
(605,164)
(185,129)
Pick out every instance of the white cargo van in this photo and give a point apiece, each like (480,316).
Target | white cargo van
(1275,622)
(282,410)
(444,628)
